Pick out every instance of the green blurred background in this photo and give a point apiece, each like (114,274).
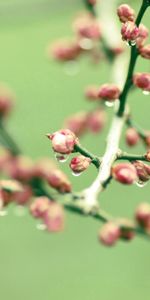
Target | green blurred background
(70,265)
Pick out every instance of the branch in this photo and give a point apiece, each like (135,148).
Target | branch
(94,159)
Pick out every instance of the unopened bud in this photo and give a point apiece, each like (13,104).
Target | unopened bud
(124,173)
(125,13)
(77,123)
(142,80)
(63,141)
(58,180)
(142,214)
(109,92)
(54,217)
(145,51)
(109,234)
(143,170)
(132,137)
(129,31)
(91,93)
(39,206)
(80,163)
(147,155)
(143,35)
(96,120)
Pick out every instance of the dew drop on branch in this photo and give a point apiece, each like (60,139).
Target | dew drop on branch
(76,174)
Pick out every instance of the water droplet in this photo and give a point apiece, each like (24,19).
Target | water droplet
(146,93)
(109,103)
(76,173)
(62,158)
(3,212)
(133,43)
(19,211)
(128,44)
(141,183)
(41,226)
(86,44)
(71,68)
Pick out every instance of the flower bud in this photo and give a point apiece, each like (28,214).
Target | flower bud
(126,229)
(143,35)
(87,27)
(109,92)
(91,93)
(96,120)
(64,50)
(124,173)
(129,31)
(142,215)
(143,170)
(39,206)
(142,80)
(109,234)
(21,168)
(77,123)
(125,13)
(59,181)
(132,137)
(145,51)
(80,163)
(24,196)
(54,217)
(8,188)
(6,101)
(147,155)
(63,141)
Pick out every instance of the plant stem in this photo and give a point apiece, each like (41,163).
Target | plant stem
(8,141)
(95,160)
(131,157)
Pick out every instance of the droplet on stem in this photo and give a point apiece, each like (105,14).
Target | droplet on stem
(41,226)
(141,183)
(62,158)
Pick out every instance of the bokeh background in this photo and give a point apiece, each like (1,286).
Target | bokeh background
(71,265)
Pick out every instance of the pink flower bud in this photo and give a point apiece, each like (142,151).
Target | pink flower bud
(42,167)
(147,155)
(92,2)
(39,206)
(87,27)
(21,168)
(145,51)
(142,215)
(6,101)
(96,120)
(109,92)
(77,123)
(8,189)
(143,35)
(91,93)
(126,229)
(80,163)
(58,180)
(124,173)
(63,141)
(5,158)
(132,137)
(24,196)
(54,217)
(125,13)
(109,234)
(143,170)
(129,31)
(142,80)
(65,50)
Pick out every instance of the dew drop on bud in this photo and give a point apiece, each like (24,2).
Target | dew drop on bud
(141,183)
(62,158)
(71,68)
(3,212)
(40,226)
(133,43)
(146,93)
(128,44)
(109,103)
(76,173)
(19,211)
(86,44)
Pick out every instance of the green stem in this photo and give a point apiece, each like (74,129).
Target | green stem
(8,141)
(131,157)
(133,58)
(95,160)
